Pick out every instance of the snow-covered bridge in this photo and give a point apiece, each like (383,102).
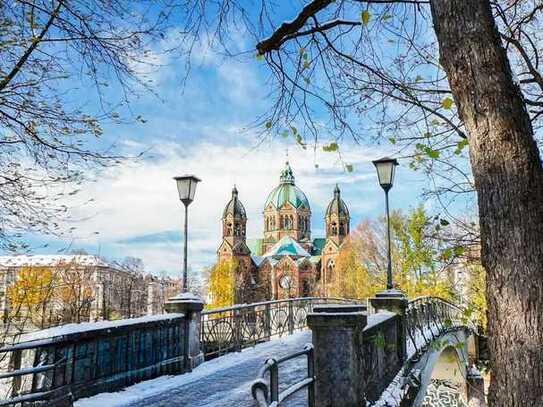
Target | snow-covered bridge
(401,353)
(223,381)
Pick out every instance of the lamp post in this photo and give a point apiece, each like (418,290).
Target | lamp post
(385,172)
(186,186)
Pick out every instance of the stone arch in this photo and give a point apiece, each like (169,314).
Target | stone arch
(444,372)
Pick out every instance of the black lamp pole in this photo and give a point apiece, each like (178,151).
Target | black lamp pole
(186,186)
(385,171)
(389,264)
(185,249)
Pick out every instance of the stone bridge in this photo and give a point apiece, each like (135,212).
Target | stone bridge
(390,351)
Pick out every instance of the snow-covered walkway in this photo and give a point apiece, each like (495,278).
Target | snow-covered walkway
(225,381)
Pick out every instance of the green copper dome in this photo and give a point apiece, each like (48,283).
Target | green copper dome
(287,191)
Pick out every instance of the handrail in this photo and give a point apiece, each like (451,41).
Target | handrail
(430,317)
(231,329)
(268,395)
(286,300)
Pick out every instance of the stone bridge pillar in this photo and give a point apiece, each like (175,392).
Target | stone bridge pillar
(339,369)
(393,301)
(191,306)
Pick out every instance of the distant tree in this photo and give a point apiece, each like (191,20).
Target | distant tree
(421,258)
(31,297)
(476,301)
(76,292)
(222,284)
(131,293)
(351,277)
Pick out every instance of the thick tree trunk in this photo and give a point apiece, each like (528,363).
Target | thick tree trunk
(509,180)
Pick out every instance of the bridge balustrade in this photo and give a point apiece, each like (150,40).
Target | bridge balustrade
(357,356)
(234,328)
(60,366)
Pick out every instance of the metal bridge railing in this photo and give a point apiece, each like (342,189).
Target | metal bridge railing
(234,328)
(427,318)
(269,395)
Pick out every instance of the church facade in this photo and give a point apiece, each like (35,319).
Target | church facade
(287,261)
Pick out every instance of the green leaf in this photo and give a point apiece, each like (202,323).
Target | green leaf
(447,253)
(386,17)
(447,103)
(259,56)
(444,222)
(458,250)
(294,130)
(431,153)
(302,50)
(349,167)
(392,140)
(284,133)
(365,17)
(330,147)
(268,124)
(306,64)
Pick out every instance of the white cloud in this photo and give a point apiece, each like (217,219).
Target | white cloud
(141,199)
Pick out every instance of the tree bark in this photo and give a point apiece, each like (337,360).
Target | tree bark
(509,181)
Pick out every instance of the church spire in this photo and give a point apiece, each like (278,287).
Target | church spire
(287,176)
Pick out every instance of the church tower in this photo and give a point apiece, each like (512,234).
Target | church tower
(337,223)
(287,213)
(234,227)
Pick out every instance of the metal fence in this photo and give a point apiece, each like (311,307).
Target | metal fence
(427,318)
(56,370)
(383,353)
(233,328)
(262,392)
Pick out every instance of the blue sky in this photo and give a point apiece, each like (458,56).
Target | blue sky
(201,128)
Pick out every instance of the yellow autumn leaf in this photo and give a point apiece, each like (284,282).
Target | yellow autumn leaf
(447,103)
(365,17)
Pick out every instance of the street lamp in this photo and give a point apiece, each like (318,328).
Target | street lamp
(186,186)
(385,172)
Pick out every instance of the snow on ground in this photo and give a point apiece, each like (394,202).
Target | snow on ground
(224,381)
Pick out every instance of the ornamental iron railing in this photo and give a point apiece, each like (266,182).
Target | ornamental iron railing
(234,328)
(427,318)
(264,392)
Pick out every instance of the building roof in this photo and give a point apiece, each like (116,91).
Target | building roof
(234,207)
(287,191)
(337,205)
(48,260)
(318,245)
(255,246)
(287,246)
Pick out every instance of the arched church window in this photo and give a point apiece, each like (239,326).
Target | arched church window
(229,229)
(334,228)
(291,223)
(237,229)
(341,229)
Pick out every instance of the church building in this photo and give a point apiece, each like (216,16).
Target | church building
(287,261)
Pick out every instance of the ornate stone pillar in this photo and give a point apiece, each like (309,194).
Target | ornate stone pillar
(191,306)
(393,301)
